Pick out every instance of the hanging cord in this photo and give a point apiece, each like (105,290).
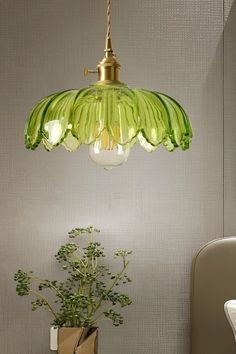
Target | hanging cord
(108,47)
(108,19)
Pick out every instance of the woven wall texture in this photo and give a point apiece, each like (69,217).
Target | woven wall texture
(162,205)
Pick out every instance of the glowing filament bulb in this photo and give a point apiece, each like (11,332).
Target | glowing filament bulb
(107,153)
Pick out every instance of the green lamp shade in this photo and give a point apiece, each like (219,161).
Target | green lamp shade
(108,118)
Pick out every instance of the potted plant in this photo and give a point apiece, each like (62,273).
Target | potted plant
(88,295)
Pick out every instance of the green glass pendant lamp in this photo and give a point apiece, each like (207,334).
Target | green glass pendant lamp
(108,116)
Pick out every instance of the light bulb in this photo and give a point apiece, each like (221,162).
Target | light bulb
(107,153)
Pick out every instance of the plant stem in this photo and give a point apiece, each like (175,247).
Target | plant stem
(44,299)
(98,318)
(51,285)
(111,287)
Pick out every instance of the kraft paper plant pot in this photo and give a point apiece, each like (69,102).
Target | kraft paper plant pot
(77,340)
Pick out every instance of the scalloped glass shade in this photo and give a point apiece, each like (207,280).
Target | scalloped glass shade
(110,118)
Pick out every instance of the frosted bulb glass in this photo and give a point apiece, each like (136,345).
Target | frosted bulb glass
(110,155)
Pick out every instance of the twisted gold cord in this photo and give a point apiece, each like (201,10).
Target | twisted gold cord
(109,19)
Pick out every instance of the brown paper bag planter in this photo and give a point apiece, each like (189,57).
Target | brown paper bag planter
(77,340)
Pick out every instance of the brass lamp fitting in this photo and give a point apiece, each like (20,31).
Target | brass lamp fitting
(108,69)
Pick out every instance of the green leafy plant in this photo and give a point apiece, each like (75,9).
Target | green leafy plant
(89,293)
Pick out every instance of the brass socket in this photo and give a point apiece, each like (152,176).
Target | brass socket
(108,69)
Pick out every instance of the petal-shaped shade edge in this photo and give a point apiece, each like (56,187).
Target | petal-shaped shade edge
(160,119)
(179,121)
(34,128)
(163,120)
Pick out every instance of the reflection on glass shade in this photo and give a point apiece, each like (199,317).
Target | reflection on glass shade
(53,131)
(110,119)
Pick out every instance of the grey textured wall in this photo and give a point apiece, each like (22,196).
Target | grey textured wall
(163,206)
(229,118)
